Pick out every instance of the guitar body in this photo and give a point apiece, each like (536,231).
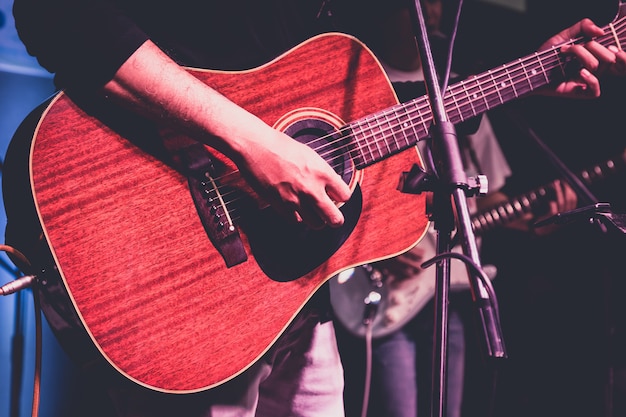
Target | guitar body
(148,285)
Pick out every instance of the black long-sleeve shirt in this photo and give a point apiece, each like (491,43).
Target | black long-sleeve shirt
(84,42)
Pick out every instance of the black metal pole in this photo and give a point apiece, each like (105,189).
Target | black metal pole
(451,189)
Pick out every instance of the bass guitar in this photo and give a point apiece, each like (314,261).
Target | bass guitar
(404,294)
(180,274)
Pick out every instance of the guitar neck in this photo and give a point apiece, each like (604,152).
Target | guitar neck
(515,208)
(395,129)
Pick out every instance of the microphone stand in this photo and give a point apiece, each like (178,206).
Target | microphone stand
(450,187)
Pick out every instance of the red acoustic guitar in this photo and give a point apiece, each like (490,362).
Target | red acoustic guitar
(180,274)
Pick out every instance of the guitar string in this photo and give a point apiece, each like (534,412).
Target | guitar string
(419,105)
(414,110)
(517,206)
(498,75)
(502,75)
(495,76)
(491,75)
(383,131)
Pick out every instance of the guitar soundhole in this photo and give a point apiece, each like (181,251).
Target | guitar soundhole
(287,251)
(326,141)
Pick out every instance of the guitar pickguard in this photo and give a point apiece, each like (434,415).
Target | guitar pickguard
(287,252)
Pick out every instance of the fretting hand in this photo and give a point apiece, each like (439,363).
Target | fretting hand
(594,58)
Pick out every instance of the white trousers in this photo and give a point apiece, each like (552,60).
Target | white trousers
(300,376)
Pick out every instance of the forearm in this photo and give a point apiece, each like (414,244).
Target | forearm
(289,174)
(150,83)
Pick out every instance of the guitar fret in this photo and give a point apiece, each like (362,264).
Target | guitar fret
(504,87)
(560,62)
(518,81)
(375,148)
(512,84)
(404,125)
(371,144)
(404,118)
(492,98)
(502,214)
(468,99)
(382,144)
(482,95)
(423,125)
(363,144)
(390,139)
(476,95)
(495,85)
(456,104)
(543,70)
(462,109)
(371,139)
(526,77)
(539,78)
(508,208)
(426,126)
(409,135)
(355,149)
(385,138)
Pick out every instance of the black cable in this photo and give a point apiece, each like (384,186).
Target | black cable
(453,33)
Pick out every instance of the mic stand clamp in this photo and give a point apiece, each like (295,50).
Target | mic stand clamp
(590,213)
(417,181)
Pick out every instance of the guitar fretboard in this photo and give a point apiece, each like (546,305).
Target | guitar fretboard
(395,129)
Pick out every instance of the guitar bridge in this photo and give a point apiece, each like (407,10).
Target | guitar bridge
(210,205)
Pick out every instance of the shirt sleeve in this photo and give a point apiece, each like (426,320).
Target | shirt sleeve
(83,42)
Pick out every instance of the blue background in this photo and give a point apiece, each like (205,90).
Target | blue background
(23,85)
